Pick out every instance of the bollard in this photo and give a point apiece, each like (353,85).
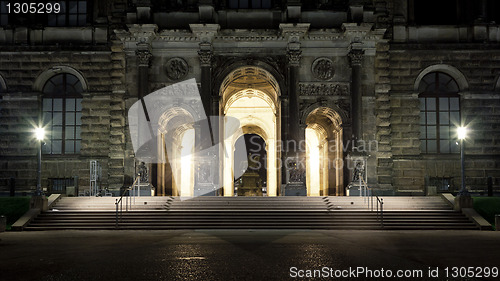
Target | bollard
(3,223)
(490,186)
(497,222)
(12,185)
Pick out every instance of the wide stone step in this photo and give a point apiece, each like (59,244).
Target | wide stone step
(251,213)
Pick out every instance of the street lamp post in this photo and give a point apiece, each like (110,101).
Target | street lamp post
(463,198)
(40,135)
(462,134)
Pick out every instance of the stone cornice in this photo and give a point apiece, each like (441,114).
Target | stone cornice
(143,33)
(205,32)
(294,31)
(362,32)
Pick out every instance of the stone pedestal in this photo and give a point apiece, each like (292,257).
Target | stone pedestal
(251,185)
(296,189)
(431,190)
(39,202)
(463,201)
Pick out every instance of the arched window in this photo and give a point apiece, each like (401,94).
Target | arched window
(62,111)
(439,113)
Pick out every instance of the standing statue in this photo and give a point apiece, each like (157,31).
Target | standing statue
(358,170)
(143,172)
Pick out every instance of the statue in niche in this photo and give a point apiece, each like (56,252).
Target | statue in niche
(296,174)
(359,170)
(204,174)
(143,172)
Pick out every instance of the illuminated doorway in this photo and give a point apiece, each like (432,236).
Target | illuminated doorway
(176,137)
(250,94)
(324,153)
(253,179)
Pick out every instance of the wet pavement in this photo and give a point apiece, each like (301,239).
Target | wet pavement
(245,255)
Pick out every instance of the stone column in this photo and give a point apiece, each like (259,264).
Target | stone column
(205,54)
(206,136)
(293,55)
(293,171)
(356,57)
(143,54)
(284,140)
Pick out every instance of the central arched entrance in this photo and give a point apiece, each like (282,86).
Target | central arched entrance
(253,169)
(250,94)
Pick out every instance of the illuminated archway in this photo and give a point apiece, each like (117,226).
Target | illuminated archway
(324,154)
(176,138)
(250,94)
(253,179)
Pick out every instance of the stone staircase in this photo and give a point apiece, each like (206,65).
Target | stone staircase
(251,213)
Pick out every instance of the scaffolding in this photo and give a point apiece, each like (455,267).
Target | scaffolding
(95,177)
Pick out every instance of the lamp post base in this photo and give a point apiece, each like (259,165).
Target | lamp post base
(463,201)
(39,202)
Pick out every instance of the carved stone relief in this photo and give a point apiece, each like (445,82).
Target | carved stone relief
(177,68)
(324,89)
(322,68)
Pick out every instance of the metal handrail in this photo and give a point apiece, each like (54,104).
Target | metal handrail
(119,211)
(380,201)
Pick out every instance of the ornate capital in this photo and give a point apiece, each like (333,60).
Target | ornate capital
(356,57)
(205,57)
(143,57)
(293,57)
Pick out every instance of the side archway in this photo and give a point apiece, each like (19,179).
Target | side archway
(324,153)
(175,149)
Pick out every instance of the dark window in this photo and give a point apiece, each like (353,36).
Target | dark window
(3,89)
(439,113)
(73,13)
(4,16)
(451,12)
(250,4)
(443,184)
(59,185)
(435,12)
(62,110)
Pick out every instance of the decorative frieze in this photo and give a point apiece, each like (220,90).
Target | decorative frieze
(322,68)
(323,89)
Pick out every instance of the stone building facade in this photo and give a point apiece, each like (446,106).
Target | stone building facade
(342,72)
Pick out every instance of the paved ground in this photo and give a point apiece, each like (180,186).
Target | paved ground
(240,255)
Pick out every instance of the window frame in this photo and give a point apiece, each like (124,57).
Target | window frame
(67,14)
(437,96)
(76,111)
(250,4)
